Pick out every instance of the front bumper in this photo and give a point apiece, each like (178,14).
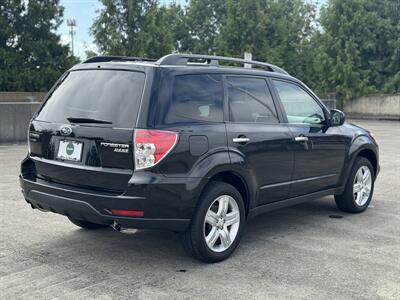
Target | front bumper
(92,206)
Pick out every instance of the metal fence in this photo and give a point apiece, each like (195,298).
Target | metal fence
(330,103)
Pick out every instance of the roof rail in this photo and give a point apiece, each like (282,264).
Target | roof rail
(116,58)
(194,59)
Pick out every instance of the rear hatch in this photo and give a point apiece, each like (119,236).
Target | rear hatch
(83,134)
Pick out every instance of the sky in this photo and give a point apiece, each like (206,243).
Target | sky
(84,11)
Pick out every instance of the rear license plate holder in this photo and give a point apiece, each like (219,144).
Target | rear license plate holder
(70,150)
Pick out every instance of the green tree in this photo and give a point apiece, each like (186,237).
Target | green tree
(175,22)
(353,50)
(89,54)
(31,55)
(278,32)
(243,28)
(202,23)
(359,47)
(132,27)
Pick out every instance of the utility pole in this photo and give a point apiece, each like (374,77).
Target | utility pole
(248,56)
(72,24)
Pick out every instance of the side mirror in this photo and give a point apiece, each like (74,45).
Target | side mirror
(337,117)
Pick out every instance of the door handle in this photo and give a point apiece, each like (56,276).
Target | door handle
(241,140)
(301,139)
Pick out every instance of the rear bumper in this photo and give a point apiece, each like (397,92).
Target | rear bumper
(93,207)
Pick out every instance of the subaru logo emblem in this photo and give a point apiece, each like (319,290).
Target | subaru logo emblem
(66,130)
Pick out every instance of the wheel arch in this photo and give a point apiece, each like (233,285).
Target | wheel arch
(237,178)
(371,156)
(236,181)
(362,146)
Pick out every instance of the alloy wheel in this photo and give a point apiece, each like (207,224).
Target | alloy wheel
(362,185)
(221,224)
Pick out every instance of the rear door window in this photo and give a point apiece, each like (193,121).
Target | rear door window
(107,95)
(250,100)
(196,98)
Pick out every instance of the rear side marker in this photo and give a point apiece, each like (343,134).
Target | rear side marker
(128,213)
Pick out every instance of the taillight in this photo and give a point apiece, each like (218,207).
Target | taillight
(151,146)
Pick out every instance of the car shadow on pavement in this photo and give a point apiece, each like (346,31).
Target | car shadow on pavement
(305,214)
(155,248)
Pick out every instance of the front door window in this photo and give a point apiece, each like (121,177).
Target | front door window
(300,107)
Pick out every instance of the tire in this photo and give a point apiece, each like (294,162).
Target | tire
(351,201)
(87,225)
(223,206)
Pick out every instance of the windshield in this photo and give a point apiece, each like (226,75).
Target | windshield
(111,96)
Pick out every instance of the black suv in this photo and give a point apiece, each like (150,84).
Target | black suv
(190,143)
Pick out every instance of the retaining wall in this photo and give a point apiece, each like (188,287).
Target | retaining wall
(22,96)
(14,120)
(374,107)
(15,116)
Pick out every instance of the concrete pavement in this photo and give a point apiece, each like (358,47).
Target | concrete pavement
(295,253)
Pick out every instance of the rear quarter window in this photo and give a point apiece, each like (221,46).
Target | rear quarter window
(195,98)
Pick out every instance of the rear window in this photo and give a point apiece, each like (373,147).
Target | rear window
(107,95)
(250,101)
(196,98)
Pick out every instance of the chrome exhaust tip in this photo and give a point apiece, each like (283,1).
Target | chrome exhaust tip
(119,228)
(116,226)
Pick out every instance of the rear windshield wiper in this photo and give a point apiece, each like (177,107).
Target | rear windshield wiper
(87,120)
